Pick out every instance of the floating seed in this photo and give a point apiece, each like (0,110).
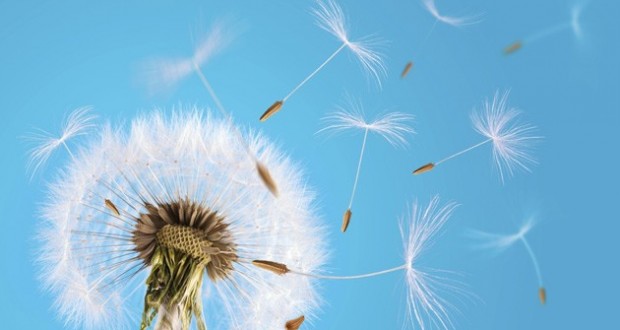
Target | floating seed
(274,267)
(406,69)
(112,207)
(424,168)
(346,218)
(275,107)
(294,324)
(542,294)
(264,174)
(513,47)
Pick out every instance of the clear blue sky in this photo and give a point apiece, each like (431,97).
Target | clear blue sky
(56,56)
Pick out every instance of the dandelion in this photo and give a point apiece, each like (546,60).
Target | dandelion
(573,25)
(392,127)
(450,20)
(330,18)
(425,306)
(430,6)
(499,243)
(169,216)
(512,141)
(78,123)
(169,72)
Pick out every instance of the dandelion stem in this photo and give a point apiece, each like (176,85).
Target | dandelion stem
(210,90)
(534,260)
(344,44)
(464,151)
(359,166)
(68,150)
(353,277)
(263,172)
(547,32)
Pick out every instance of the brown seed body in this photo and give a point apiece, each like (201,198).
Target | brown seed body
(271,266)
(112,207)
(275,107)
(542,294)
(406,69)
(346,219)
(294,324)
(264,174)
(424,168)
(513,47)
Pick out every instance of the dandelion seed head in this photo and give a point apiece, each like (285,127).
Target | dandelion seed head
(513,142)
(187,169)
(425,306)
(431,7)
(330,17)
(394,127)
(78,123)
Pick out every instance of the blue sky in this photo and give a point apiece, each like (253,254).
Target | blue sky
(56,56)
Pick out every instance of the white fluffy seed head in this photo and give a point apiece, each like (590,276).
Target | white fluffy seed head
(513,142)
(87,258)
(426,289)
(330,17)
(394,127)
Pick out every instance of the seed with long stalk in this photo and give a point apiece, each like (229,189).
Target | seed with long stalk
(424,301)
(168,72)
(330,17)
(499,243)
(512,141)
(393,127)
(573,25)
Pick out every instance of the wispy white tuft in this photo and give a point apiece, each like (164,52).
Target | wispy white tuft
(86,254)
(575,19)
(79,122)
(512,141)
(162,74)
(393,127)
(451,20)
(498,243)
(425,305)
(331,18)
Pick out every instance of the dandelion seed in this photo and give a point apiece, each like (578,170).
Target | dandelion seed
(393,127)
(187,213)
(512,141)
(171,72)
(454,21)
(274,267)
(513,47)
(112,207)
(573,25)
(424,303)
(406,69)
(499,243)
(330,17)
(294,324)
(346,219)
(78,123)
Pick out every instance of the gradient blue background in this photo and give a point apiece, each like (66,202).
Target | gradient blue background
(56,56)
